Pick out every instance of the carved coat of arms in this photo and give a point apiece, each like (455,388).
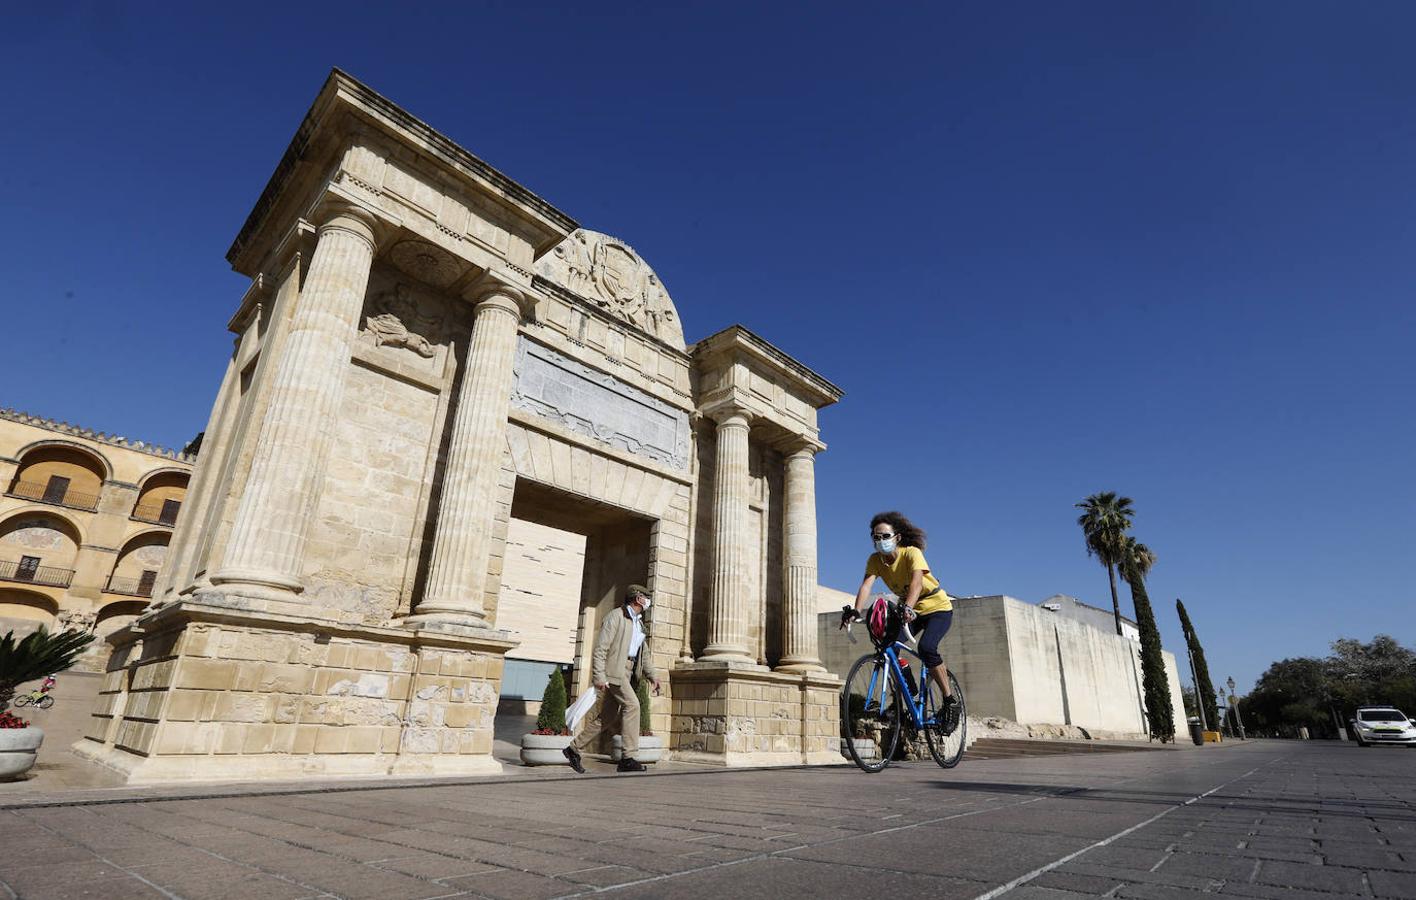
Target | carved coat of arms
(607,272)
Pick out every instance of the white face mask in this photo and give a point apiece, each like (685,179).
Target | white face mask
(644,604)
(885,545)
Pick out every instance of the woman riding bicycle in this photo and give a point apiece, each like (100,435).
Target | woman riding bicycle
(898,560)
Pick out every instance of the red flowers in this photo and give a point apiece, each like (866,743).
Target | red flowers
(10,720)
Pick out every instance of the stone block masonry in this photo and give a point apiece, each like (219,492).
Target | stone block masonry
(732,716)
(211,694)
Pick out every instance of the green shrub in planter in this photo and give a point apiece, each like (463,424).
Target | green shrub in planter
(551,719)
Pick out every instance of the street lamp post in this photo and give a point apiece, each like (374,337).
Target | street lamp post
(1234,705)
(1195,679)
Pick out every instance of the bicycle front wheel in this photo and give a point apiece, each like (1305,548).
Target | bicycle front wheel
(946,735)
(44,702)
(870,713)
(21,700)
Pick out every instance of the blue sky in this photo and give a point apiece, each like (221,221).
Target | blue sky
(1046,249)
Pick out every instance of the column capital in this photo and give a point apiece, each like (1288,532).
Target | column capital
(801,445)
(729,413)
(341,215)
(493,290)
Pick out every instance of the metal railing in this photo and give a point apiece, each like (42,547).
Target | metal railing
(40,493)
(157,513)
(134,587)
(49,576)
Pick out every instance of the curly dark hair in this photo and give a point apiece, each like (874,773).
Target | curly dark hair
(911,535)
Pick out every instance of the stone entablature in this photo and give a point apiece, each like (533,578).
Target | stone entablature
(387,160)
(738,370)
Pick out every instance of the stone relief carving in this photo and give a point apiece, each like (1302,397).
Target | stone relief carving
(150,556)
(427,262)
(37,535)
(607,272)
(598,406)
(72,620)
(398,319)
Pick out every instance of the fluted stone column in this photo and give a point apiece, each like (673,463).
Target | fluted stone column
(267,542)
(462,545)
(799,650)
(729,605)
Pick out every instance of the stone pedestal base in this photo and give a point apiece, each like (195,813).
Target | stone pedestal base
(745,715)
(202,692)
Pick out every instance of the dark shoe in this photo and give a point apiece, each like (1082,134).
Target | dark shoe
(630,765)
(573,755)
(950,714)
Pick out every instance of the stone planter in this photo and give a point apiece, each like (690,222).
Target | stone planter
(18,749)
(651,749)
(544,749)
(866,747)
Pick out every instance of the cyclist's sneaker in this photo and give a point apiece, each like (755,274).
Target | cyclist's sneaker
(950,714)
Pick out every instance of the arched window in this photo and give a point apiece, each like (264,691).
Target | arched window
(60,475)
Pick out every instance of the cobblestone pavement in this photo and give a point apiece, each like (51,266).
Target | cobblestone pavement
(1263,819)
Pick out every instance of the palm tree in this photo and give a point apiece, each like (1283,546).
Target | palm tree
(37,655)
(1136,562)
(1104,520)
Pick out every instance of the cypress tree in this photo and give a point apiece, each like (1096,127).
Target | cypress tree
(1154,682)
(1202,675)
(644,708)
(552,716)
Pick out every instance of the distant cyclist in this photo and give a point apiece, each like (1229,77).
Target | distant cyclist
(898,560)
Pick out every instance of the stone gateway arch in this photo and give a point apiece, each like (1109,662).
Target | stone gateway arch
(428,352)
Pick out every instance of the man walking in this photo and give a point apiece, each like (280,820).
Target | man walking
(622,656)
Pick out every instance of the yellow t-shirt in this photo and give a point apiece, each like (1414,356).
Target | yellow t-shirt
(898,574)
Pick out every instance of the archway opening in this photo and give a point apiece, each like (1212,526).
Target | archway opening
(568,561)
(161,498)
(24,611)
(38,548)
(141,558)
(59,475)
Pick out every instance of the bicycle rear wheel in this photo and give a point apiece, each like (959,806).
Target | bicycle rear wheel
(946,744)
(870,713)
(20,700)
(44,702)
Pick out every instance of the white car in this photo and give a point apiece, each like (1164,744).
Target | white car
(1383,725)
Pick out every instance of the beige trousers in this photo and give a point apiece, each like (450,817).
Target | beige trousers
(617,699)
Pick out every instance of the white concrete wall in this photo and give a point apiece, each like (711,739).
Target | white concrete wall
(830,600)
(976,650)
(1043,688)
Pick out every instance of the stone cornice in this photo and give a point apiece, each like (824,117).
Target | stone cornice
(100,437)
(737,337)
(342,91)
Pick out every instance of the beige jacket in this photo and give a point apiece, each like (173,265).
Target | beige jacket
(609,664)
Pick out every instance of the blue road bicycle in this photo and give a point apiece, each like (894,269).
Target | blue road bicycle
(882,700)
